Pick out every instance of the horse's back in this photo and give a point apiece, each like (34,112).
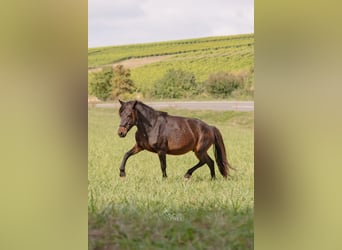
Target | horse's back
(183,134)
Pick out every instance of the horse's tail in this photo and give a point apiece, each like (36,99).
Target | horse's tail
(220,154)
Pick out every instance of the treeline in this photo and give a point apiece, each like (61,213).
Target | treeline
(113,83)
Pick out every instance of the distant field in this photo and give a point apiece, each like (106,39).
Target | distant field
(112,54)
(145,212)
(201,56)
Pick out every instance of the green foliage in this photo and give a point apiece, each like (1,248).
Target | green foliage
(122,84)
(111,83)
(143,211)
(100,84)
(175,84)
(222,84)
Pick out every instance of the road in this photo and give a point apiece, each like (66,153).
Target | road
(202,105)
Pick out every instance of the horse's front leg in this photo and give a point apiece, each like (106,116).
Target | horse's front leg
(162,159)
(133,151)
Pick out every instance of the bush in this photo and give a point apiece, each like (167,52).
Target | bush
(222,84)
(247,88)
(100,84)
(175,84)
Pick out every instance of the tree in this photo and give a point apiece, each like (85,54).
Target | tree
(100,84)
(121,82)
(111,83)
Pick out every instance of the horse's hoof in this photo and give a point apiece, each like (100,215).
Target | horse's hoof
(187,176)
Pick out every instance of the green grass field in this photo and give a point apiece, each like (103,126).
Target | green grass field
(112,54)
(143,211)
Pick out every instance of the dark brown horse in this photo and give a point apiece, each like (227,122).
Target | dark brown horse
(164,134)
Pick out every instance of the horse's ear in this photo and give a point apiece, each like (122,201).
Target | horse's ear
(134,103)
(121,102)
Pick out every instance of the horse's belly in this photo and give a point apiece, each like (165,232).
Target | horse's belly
(178,152)
(180,147)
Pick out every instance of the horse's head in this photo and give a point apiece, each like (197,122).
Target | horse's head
(128,117)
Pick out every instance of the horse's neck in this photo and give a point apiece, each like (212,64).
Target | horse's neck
(147,118)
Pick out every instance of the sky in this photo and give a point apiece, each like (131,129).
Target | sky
(119,22)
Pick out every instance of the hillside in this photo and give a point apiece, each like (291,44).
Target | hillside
(202,56)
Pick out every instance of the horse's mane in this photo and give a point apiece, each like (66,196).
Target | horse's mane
(150,109)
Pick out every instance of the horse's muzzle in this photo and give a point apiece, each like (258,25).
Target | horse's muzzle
(122,131)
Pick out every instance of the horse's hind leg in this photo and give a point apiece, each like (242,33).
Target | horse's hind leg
(201,162)
(204,158)
(211,165)
(191,170)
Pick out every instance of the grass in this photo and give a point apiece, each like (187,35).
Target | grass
(145,212)
(111,54)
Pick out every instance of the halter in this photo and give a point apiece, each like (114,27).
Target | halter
(129,125)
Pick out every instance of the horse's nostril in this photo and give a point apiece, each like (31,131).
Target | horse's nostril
(121,133)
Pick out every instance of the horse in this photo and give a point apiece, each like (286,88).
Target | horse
(163,134)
